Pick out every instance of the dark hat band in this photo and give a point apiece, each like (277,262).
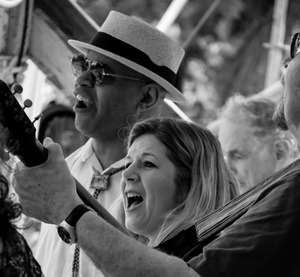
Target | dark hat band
(129,52)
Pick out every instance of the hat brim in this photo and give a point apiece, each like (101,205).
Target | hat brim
(173,94)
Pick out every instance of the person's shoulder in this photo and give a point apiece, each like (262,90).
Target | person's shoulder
(285,185)
(18,257)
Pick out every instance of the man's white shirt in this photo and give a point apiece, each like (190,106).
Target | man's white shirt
(55,256)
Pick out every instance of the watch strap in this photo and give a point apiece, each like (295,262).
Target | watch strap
(76,214)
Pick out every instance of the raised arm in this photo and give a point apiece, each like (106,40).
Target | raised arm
(48,193)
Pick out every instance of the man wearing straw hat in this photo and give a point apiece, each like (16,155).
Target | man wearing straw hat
(123,75)
(263,241)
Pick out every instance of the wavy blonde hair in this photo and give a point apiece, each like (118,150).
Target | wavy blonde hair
(203,179)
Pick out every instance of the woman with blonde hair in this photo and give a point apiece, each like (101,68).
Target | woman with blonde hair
(175,174)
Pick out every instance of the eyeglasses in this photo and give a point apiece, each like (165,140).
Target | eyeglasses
(81,64)
(295,45)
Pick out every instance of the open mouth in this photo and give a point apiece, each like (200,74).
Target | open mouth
(133,200)
(83,102)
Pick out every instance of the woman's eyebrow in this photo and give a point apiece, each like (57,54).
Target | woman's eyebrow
(128,157)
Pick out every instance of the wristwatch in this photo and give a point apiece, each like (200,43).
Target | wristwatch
(66,229)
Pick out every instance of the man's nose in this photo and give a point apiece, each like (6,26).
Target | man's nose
(85,79)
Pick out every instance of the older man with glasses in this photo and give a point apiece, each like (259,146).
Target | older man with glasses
(264,241)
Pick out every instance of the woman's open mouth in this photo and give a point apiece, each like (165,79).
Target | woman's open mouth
(133,199)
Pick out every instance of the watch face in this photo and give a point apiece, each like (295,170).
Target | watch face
(64,234)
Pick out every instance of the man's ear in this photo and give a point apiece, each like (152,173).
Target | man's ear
(151,94)
(282,150)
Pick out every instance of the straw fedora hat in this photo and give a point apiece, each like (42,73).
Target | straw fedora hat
(139,46)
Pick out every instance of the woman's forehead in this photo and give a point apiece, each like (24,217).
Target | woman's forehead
(146,144)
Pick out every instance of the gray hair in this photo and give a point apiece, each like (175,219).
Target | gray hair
(258,112)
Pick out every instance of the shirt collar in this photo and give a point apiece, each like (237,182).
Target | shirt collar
(87,152)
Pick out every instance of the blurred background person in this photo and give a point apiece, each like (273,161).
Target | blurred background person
(252,145)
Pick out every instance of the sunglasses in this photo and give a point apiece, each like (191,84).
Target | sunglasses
(81,64)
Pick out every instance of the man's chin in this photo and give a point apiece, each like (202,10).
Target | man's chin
(82,127)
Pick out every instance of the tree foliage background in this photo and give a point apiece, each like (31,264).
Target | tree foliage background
(226,56)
